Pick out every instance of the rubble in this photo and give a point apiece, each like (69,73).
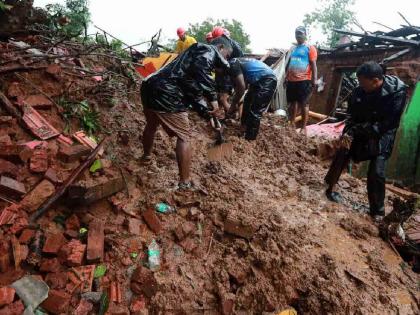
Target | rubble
(72,253)
(57,302)
(95,243)
(35,198)
(11,188)
(73,153)
(7,295)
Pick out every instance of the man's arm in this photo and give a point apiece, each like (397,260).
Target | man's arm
(178,47)
(314,69)
(392,119)
(240,87)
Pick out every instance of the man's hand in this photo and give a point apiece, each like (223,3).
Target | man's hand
(314,86)
(215,107)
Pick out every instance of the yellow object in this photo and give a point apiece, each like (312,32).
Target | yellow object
(183,45)
(290,311)
(163,59)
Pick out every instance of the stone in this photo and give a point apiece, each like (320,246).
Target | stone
(73,153)
(184,230)
(26,236)
(53,69)
(53,243)
(8,169)
(143,282)
(228,302)
(16,308)
(95,243)
(50,265)
(93,297)
(73,223)
(7,295)
(38,101)
(51,175)
(83,308)
(35,198)
(11,188)
(38,162)
(56,280)
(189,245)
(134,226)
(72,253)
(57,302)
(152,220)
(236,227)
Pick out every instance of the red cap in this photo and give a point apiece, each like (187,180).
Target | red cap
(209,36)
(180,31)
(218,31)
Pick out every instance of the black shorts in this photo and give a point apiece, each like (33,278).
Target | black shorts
(299,91)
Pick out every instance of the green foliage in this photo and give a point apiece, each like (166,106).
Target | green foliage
(71,19)
(88,118)
(100,271)
(331,14)
(237,32)
(4,6)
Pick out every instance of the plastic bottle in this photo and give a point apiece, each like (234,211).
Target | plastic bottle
(154,255)
(164,208)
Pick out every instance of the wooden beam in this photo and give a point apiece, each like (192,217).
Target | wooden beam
(394,40)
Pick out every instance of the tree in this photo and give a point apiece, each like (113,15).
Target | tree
(237,32)
(72,19)
(329,15)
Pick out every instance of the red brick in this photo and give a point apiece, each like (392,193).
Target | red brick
(8,168)
(19,252)
(228,302)
(143,282)
(35,198)
(51,175)
(83,308)
(5,140)
(137,305)
(95,244)
(15,90)
(16,308)
(72,253)
(56,280)
(115,294)
(7,295)
(134,226)
(26,236)
(73,153)
(53,243)
(8,214)
(152,220)
(237,228)
(84,275)
(57,302)
(53,69)
(184,230)
(38,101)
(19,224)
(73,223)
(39,161)
(6,121)
(50,265)
(5,256)
(11,188)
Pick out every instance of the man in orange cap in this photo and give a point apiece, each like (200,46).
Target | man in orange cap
(184,41)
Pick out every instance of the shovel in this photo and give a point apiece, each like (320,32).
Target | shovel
(220,148)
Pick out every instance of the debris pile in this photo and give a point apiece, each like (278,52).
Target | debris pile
(255,235)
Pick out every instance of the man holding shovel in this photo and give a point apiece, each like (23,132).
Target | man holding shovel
(167,94)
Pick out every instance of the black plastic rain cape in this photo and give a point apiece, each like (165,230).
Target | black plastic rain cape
(186,80)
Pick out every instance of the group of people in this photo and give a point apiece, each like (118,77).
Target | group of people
(204,75)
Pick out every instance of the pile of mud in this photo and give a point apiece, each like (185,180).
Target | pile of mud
(256,236)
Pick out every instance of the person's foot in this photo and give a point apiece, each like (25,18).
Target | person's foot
(333,196)
(184,186)
(146,159)
(377,218)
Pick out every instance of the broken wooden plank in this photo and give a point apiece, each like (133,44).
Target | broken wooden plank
(400,191)
(390,39)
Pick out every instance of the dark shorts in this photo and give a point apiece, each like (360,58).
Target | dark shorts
(174,124)
(299,91)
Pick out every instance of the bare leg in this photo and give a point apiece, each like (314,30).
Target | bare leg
(148,138)
(183,156)
(292,113)
(305,116)
(223,100)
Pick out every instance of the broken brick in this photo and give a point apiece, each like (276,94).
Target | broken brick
(15,90)
(51,175)
(54,243)
(53,69)
(189,245)
(137,304)
(143,282)
(72,253)
(5,140)
(8,214)
(4,256)
(39,161)
(26,236)
(73,153)
(34,199)
(104,186)
(10,152)
(228,302)
(184,230)
(6,121)
(8,168)
(50,265)
(38,101)
(73,223)
(83,308)
(152,220)
(18,250)
(16,308)
(85,276)
(95,243)
(237,228)
(134,226)
(57,302)
(7,295)
(11,187)
(19,223)
(56,280)
(115,294)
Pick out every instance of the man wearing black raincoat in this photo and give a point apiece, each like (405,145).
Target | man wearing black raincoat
(374,113)
(167,94)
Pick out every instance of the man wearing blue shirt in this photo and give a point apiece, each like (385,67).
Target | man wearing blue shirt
(261,82)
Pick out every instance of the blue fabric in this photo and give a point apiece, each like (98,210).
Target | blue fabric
(299,59)
(252,69)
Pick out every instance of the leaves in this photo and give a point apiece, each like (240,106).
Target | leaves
(331,14)
(100,271)
(200,30)
(103,304)
(97,165)
(88,118)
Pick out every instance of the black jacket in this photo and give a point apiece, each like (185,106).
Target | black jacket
(378,114)
(236,48)
(185,80)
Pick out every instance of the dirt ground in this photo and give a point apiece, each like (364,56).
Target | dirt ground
(297,249)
